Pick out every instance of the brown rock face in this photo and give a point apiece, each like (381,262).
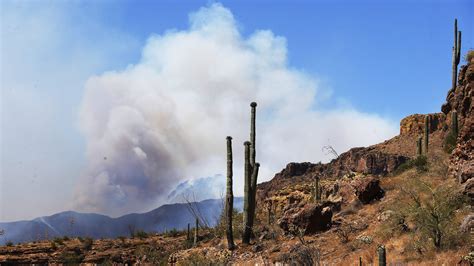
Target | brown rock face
(460,99)
(468,189)
(296,169)
(311,218)
(415,124)
(367,161)
(467,224)
(368,190)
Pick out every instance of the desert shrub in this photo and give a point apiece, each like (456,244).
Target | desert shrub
(237,224)
(65,238)
(420,163)
(393,226)
(87,243)
(198,259)
(58,240)
(71,257)
(9,244)
(80,239)
(432,211)
(450,142)
(122,238)
(343,234)
(301,255)
(155,255)
(140,234)
(173,233)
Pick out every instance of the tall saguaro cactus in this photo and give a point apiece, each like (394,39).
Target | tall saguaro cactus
(253,196)
(196,232)
(253,114)
(247,193)
(454,123)
(250,178)
(188,236)
(418,146)
(382,255)
(254,166)
(456,52)
(427,133)
(229,203)
(317,190)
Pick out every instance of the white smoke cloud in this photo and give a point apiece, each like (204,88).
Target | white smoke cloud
(165,119)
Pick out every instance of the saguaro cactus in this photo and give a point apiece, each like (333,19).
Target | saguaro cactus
(454,123)
(317,190)
(247,194)
(382,255)
(196,232)
(456,53)
(250,176)
(253,196)
(427,133)
(229,203)
(269,212)
(188,236)
(254,166)
(253,114)
(419,145)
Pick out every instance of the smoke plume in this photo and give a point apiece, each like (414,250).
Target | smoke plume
(164,119)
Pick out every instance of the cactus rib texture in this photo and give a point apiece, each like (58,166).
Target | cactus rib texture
(229,206)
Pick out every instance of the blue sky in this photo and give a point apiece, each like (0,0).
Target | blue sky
(386,59)
(373,53)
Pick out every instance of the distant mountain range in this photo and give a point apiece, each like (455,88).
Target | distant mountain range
(94,225)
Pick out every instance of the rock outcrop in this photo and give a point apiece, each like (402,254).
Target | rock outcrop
(365,160)
(368,190)
(310,219)
(369,160)
(460,99)
(414,124)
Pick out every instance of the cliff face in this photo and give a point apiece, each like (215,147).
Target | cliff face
(460,99)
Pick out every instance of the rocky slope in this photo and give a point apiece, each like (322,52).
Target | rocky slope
(364,193)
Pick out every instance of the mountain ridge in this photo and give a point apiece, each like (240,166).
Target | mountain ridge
(95,225)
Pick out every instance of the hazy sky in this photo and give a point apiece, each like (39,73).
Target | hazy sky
(106,106)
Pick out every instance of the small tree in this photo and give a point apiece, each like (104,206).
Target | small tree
(431,209)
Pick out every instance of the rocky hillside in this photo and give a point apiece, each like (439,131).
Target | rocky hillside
(412,201)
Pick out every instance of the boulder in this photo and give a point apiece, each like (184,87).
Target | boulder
(468,189)
(311,218)
(467,224)
(368,190)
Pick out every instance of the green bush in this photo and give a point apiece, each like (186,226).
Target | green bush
(173,233)
(237,224)
(420,163)
(155,255)
(9,244)
(432,210)
(450,142)
(140,234)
